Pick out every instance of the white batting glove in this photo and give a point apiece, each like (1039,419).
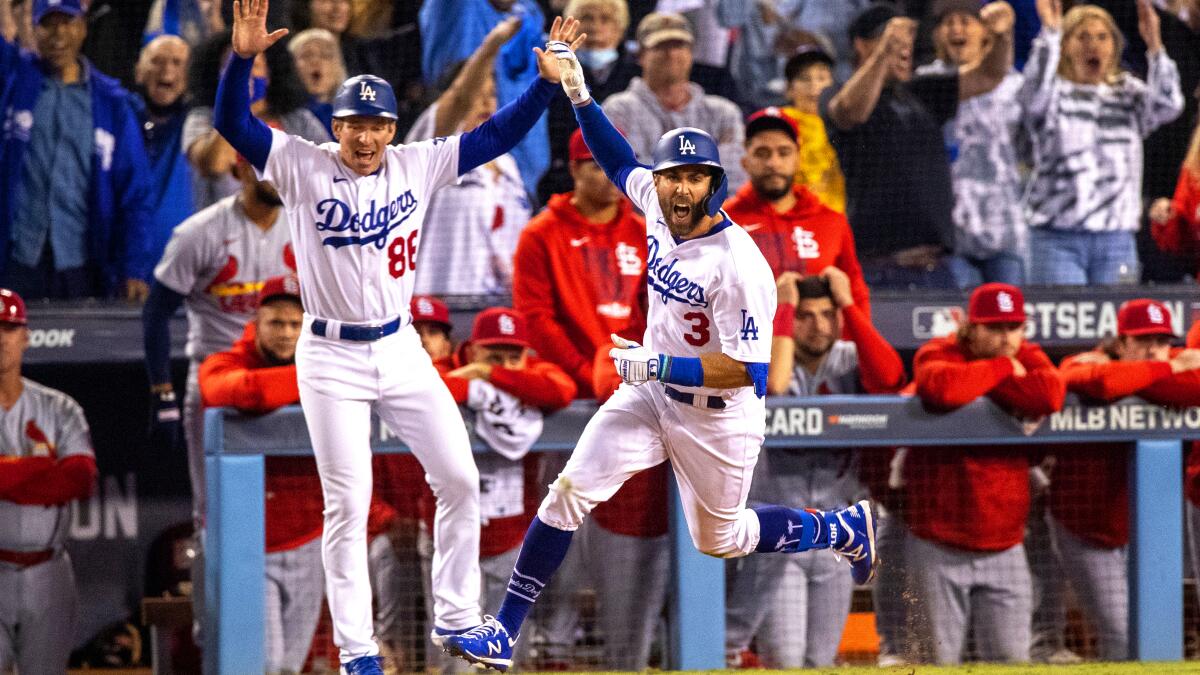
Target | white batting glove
(635,364)
(570,73)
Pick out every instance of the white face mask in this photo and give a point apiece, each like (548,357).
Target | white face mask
(594,59)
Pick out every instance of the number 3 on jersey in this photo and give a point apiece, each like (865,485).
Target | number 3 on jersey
(402,255)
(698,335)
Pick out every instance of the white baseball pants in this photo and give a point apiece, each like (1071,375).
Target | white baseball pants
(341,383)
(712,453)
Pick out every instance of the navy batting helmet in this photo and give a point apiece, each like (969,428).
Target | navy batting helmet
(365,95)
(691,146)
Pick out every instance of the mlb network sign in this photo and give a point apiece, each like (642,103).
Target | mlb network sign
(1053,321)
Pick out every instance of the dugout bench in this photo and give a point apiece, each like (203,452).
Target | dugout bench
(235,446)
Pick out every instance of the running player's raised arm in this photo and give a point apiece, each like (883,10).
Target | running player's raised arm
(503,130)
(610,149)
(231,115)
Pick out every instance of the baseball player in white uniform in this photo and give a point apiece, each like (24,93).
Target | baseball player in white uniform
(46,462)
(356,209)
(214,265)
(692,395)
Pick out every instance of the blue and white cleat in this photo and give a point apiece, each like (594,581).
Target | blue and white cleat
(487,644)
(858,548)
(364,665)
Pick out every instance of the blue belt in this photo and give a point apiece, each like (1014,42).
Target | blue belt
(711,402)
(355,332)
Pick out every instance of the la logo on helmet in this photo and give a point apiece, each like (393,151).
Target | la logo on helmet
(686,147)
(366,92)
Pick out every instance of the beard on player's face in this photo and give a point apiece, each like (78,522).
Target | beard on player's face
(682,213)
(266,194)
(816,347)
(681,193)
(772,186)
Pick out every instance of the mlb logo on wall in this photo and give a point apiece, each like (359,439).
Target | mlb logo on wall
(934,322)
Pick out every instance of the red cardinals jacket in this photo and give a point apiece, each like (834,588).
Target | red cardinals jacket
(977,497)
(1090,490)
(1180,235)
(1192,481)
(577,282)
(806,239)
(239,378)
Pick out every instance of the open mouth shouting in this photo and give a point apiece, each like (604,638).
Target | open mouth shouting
(681,212)
(364,155)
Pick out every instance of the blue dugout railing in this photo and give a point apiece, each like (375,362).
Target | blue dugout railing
(235,446)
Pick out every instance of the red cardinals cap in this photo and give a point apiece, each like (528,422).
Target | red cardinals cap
(286,286)
(771,118)
(1144,317)
(577,149)
(500,326)
(429,308)
(996,303)
(12,308)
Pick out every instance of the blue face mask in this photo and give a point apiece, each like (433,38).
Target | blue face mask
(258,89)
(594,59)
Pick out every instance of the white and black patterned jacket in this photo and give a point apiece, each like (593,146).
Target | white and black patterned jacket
(1087,140)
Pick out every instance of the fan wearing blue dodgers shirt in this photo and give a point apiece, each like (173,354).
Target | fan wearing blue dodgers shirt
(356,209)
(692,395)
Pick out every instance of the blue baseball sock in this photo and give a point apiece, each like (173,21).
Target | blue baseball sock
(785,530)
(541,553)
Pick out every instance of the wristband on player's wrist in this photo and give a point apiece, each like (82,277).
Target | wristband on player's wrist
(686,371)
(782,324)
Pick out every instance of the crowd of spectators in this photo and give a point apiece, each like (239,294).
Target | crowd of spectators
(946,144)
(965,144)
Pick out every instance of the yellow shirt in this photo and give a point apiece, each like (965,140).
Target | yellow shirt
(817,166)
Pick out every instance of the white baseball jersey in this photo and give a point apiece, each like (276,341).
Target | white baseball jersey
(218,259)
(475,222)
(713,293)
(44,422)
(356,237)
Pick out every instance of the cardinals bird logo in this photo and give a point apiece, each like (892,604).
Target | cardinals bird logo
(41,446)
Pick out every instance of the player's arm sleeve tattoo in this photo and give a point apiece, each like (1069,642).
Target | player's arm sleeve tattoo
(612,152)
(503,130)
(231,116)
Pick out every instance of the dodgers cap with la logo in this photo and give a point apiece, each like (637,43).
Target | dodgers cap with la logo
(365,96)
